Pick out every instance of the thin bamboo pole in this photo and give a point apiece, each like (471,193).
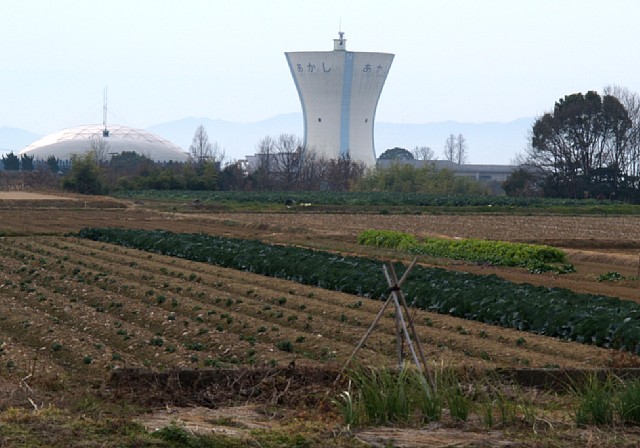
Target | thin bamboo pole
(364,338)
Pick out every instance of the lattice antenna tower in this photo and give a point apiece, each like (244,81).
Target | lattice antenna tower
(105,131)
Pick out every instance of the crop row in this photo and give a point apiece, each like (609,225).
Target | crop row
(360,198)
(90,307)
(537,258)
(599,320)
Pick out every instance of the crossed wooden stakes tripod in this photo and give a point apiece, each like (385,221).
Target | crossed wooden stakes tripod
(402,318)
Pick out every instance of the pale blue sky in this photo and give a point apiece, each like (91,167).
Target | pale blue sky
(462,60)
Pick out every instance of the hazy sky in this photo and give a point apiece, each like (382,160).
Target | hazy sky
(462,60)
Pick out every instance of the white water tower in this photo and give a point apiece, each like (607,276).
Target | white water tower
(339,92)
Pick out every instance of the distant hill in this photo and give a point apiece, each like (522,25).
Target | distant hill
(14,139)
(238,139)
(490,143)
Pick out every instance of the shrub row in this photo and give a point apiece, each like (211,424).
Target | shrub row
(599,320)
(537,258)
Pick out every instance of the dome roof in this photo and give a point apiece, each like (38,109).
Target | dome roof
(65,143)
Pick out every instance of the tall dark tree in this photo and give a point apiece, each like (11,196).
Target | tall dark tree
(583,146)
(232,177)
(522,182)
(11,162)
(26,162)
(53,163)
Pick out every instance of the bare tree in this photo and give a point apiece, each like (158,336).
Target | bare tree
(423,153)
(312,170)
(217,154)
(266,163)
(450,148)
(631,102)
(520,159)
(460,150)
(288,159)
(455,149)
(99,149)
(342,173)
(201,149)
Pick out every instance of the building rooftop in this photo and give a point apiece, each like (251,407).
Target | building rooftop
(78,140)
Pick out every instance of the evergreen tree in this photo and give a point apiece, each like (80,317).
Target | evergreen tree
(11,162)
(26,162)
(53,163)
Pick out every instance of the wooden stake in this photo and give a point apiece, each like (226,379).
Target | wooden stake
(399,316)
(403,301)
(401,308)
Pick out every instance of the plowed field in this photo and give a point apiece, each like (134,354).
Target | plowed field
(73,311)
(75,304)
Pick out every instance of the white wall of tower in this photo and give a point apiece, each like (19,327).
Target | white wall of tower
(339,93)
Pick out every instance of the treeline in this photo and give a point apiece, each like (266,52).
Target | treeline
(294,171)
(131,171)
(12,162)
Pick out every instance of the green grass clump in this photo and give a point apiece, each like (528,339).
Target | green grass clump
(607,401)
(595,401)
(628,403)
(383,396)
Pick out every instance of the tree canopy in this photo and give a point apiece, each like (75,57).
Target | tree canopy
(396,154)
(85,176)
(404,178)
(584,147)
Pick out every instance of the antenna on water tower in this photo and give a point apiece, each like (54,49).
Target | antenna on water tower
(339,44)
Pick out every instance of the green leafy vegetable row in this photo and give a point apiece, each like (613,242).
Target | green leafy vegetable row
(604,321)
(536,258)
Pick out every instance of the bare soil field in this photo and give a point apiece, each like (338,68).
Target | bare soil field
(28,196)
(82,305)
(598,245)
(73,310)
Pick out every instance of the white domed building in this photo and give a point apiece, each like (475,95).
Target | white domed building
(113,140)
